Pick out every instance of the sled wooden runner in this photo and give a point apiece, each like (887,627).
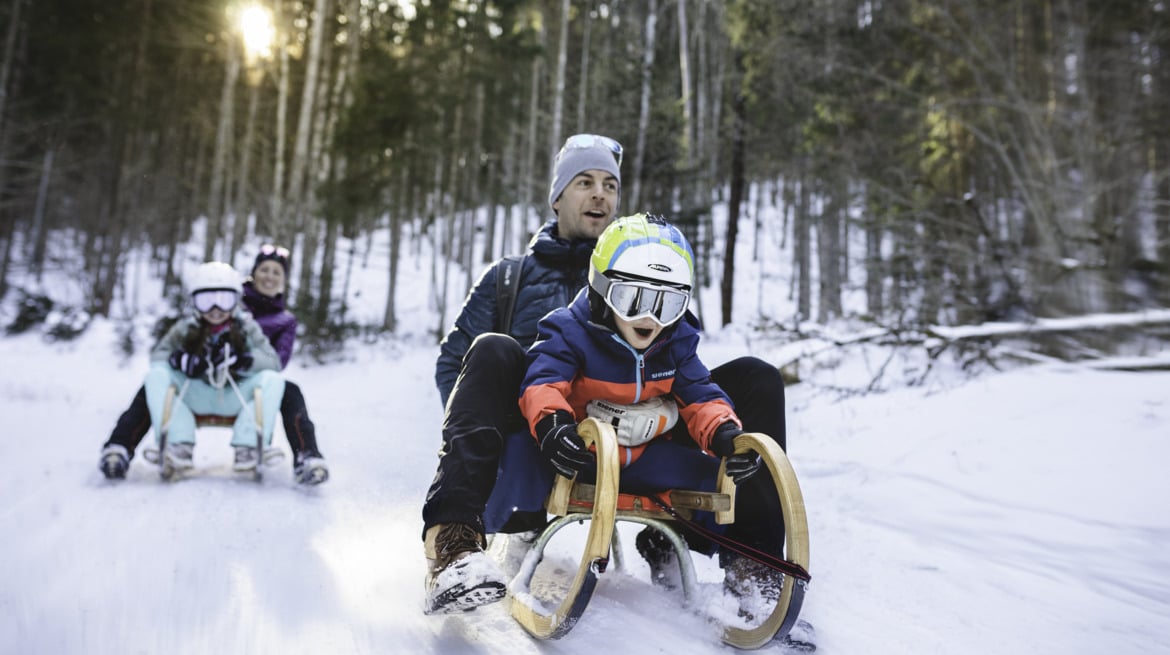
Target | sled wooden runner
(603,506)
(784,615)
(596,556)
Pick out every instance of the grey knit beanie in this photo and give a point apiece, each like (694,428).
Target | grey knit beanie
(577,160)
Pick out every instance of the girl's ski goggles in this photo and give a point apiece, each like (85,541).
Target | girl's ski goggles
(586,141)
(633,300)
(210,299)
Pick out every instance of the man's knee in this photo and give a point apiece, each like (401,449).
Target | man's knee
(495,351)
(754,369)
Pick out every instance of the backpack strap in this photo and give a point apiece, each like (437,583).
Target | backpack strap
(507,286)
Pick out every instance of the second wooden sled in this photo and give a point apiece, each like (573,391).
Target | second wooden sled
(602,505)
(166,472)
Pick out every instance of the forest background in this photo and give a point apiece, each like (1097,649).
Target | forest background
(951,162)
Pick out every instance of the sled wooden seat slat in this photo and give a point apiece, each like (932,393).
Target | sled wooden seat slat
(686,503)
(214,421)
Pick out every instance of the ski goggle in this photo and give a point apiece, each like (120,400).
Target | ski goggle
(269,251)
(587,141)
(209,299)
(633,300)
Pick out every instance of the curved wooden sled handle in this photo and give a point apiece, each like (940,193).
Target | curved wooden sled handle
(787,607)
(601,526)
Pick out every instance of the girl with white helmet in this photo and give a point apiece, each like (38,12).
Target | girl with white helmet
(199,353)
(264,298)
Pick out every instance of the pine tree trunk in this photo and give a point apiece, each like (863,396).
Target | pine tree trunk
(684,70)
(339,103)
(6,65)
(734,199)
(531,199)
(829,251)
(14,22)
(298,171)
(635,199)
(583,74)
(223,134)
(278,227)
(874,269)
(401,208)
(802,226)
(39,229)
(558,90)
(243,204)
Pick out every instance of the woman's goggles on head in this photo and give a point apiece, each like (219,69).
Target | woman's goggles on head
(277,254)
(586,141)
(269,249)
(631,300)
(209,299)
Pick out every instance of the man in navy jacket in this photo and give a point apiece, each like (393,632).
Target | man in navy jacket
(479,372)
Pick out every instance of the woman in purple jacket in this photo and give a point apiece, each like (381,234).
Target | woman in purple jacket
(264,296)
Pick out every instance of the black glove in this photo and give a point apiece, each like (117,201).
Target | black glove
(223,357)
(243,361)
(190,364)
(740,467)
(561,445)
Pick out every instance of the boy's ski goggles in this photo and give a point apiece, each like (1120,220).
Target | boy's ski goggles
(587,141)
(210,299)
(633,300)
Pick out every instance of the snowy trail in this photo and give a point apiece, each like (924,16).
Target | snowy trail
(989,518)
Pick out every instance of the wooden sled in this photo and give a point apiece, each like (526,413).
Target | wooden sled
(602,505)
(167,472)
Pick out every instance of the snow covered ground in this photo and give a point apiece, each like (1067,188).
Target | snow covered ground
(1023,512)
(1020,512)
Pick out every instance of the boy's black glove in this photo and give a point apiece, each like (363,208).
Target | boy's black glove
(192,365)
(561,445)
(740,467)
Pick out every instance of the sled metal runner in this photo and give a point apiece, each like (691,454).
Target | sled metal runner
(602,505)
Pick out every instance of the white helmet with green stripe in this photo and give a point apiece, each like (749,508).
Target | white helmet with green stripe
(642,247)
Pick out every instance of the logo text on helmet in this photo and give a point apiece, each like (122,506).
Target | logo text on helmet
(659,267)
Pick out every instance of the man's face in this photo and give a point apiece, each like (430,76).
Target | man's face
(587,205)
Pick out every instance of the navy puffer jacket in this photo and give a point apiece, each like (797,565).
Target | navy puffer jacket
(553,273)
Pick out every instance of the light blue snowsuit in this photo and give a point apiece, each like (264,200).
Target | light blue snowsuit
(202,398)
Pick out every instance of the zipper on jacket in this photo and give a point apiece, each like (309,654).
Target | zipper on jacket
(640,365)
